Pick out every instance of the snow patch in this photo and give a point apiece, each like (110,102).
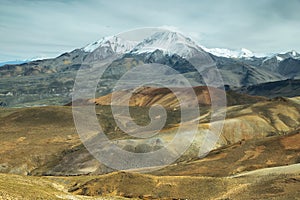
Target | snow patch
(245,53)
(279,58)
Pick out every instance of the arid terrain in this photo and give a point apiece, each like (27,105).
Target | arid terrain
(256,157)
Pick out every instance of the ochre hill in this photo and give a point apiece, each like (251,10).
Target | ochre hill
(148,96)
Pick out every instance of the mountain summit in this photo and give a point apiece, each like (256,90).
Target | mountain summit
(117,44)
(168,42)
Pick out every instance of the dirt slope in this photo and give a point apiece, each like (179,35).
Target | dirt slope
(25,133)
(240,157)
(148,96)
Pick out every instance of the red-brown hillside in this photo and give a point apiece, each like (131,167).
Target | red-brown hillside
(148,96)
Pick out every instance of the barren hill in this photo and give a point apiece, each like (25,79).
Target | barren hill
(148,96)
(26,132)
(250,163)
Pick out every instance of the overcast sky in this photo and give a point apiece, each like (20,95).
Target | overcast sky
(47,28)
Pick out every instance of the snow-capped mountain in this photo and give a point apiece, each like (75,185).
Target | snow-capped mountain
(228,53)
(275,59)
(291,54)
(117,44)
(286,64)
(170,43)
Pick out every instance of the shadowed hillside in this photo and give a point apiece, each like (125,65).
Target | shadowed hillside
(285,88)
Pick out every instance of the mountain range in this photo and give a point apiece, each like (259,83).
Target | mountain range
(256,155)
(50,81)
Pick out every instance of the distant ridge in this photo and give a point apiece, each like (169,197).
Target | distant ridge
(285,88)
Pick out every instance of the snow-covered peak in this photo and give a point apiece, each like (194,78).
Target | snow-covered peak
(117,44)
(245,53)
(291,54)
(169,42)
(294,53)
(175,43)
(283,56)
(221,52)
(228,53)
